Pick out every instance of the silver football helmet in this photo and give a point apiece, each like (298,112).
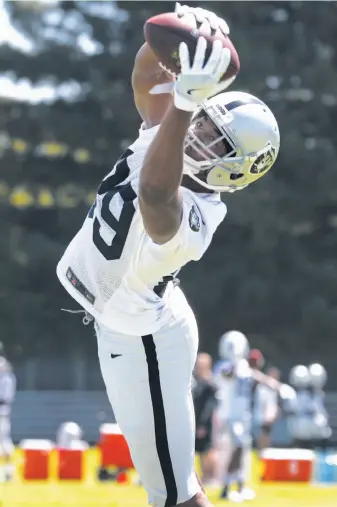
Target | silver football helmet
(245,148)
(299,376)
(233,345)
(317,375)
(4,365)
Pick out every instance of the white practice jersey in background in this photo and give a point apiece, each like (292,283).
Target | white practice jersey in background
(309,419)
(305,404)
(7,392)
(266,402)
(240,408)
(235,389)
(224,383)
(112,266)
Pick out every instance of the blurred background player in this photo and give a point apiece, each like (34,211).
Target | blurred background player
(256,360)
(7,394)
(233,346)
(233,414)
(266,410)
(321,431)
(243,380)
(300,423)
(205,401)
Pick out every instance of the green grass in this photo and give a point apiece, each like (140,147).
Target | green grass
(91,493)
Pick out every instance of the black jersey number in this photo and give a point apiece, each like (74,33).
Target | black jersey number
(109,188)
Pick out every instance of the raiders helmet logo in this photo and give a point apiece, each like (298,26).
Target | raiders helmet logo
(263,162)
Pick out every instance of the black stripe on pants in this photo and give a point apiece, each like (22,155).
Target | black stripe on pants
(160,421)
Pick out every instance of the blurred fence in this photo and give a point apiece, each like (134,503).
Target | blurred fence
(75,373)
(38,414)
(81,372)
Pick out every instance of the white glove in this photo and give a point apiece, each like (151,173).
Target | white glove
(197,81)
(197,15)
(287,393)
(202,15)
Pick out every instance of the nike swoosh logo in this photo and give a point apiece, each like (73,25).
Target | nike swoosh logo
(189,92)
(115,355)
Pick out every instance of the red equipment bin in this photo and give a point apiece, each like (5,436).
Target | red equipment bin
(293,465)
(70,464)
(36,459)
(114,449)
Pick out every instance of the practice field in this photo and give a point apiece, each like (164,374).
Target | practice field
(91,493)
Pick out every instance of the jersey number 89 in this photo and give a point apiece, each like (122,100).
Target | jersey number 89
(110,187)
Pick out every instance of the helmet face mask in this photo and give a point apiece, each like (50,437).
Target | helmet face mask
(206,145)
(243,147)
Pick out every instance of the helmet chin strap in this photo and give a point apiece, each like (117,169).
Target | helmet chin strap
(192,172)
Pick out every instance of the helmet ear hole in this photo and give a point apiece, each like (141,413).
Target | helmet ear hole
(234,177)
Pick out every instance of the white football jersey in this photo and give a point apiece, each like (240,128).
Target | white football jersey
(236,390)
(7,392)
(224,382)
(310,418)
(241,400)
(265,403)
(114,270)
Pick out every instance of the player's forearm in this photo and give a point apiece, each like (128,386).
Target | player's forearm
(266,380)
(162,171)
(147,72)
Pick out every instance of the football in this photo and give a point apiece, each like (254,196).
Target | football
(165,32)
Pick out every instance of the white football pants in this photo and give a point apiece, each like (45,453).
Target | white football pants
(148,382)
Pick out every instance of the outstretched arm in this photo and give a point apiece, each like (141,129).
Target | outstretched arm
(159,197)
(160,178)
(147,74)
(264,379)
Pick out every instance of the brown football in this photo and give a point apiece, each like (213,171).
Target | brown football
(165,32)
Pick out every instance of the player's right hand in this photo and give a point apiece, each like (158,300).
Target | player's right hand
(287,392)
(197,80)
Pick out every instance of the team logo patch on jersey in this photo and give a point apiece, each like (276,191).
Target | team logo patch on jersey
(194,220)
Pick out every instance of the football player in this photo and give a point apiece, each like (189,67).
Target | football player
(205,401)
(242,375)
(309,424)
(266,409)
(7,395)
(300,422)
(155,211)
(321,428)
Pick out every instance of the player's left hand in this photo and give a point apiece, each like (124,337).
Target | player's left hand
(202,15)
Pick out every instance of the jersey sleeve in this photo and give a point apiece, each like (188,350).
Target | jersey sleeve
(200,218)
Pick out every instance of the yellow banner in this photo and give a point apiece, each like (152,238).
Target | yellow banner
(46,149)
(65,196)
